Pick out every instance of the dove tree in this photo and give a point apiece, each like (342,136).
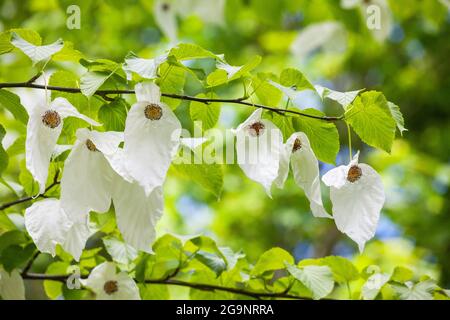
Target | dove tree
(100,173)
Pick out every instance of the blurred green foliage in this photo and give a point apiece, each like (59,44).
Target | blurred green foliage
(410,67)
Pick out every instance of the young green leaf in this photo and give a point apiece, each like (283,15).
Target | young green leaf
(370,117)
(318,279)
(113,115)
(271,260)
(3,155)
(11,102)
(208,114)
(323,135)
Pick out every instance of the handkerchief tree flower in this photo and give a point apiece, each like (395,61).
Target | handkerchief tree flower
(43,129)
(151,137)
(357,194)
(300,157)
(108,284)
(258,148)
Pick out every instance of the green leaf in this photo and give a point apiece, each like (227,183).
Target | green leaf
(5,223)
(401,274)
(172,80)
(16,256)
(167,258)
(188,51)
(373,285)
(53,289)
(17,147)
(92,81)
(370,117)
(283,123)
(419,291)
(323,135)
(113,115)
(14,237)
(27,34)
(398,117)
(293,78)
(3,155)
(120,251)
(154,292)
(271,260)
(266,93)
(226,73)
(212,261)
(208,114)
(343,270)
(208,176)
(11,102)
(318,279)
(68,53)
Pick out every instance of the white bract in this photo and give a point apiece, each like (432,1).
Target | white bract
(36,53)
(146,68)
(343,98)
(43,129)
(152,137)
(137,213)
(94,175)
(258,146)
(297,154)
(86,184)
(357,195)
(11,285)
(108,284)
(47,224)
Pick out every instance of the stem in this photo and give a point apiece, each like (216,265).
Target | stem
(174,282)
(238,101)
(349,133)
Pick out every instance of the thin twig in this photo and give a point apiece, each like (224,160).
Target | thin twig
(173,282)
(239,101)
(26,199)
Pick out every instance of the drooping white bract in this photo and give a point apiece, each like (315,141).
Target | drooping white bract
(34,52)
(152,137)
(136,213)
(43,129)
(357,195)
(108,284)
(11,285)
(146,68)
(86,184)
(298,154)
(47,224)
(165,14)
(258,146)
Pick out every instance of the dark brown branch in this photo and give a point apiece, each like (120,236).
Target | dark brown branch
(173,282)
(239,101)
(26,199)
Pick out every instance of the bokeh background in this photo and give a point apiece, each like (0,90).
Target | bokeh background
(328,40)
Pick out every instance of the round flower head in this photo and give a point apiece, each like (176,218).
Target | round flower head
(357,195)
(43,129)
(152,136)
(87,179)
(108,284)
(298,154)
(258,146)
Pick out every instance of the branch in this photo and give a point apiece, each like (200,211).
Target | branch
(26,199)
(104,93)
(173,282)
